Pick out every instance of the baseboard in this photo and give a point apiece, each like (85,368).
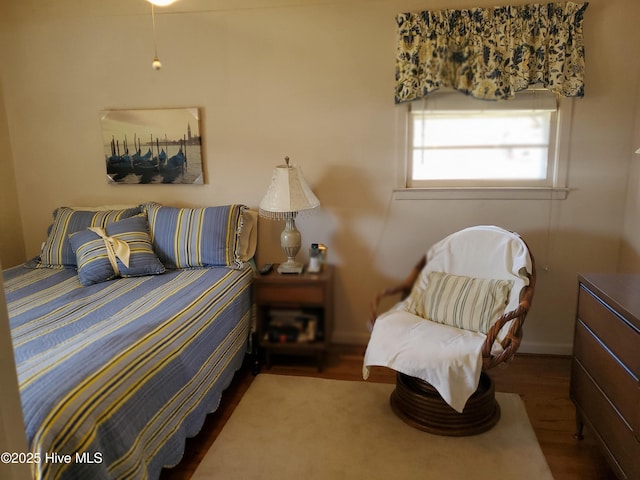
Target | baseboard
(546,348)
(539,348)
(350,338)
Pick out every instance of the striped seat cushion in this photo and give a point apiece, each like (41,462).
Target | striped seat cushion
(463,302)
(196,237)
(93,261)
(56,251)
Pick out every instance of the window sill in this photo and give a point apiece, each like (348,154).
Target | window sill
(488,193)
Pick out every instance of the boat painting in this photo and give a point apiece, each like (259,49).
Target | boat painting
(152,146)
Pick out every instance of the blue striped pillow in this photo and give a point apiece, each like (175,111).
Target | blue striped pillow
(91,252)
(56,251)
(196,237)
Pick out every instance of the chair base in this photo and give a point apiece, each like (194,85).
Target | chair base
(420,405)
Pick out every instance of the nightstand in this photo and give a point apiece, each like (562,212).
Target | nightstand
(294,313)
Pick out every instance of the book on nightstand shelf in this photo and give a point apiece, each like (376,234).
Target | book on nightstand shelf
(292,325)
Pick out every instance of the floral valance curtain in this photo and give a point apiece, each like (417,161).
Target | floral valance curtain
(491,53)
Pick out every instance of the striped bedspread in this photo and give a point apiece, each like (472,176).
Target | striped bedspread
(114,376)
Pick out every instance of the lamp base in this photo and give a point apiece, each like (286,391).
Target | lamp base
(291,267)
(290,240)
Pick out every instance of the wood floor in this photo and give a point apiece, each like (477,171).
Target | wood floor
(541,381)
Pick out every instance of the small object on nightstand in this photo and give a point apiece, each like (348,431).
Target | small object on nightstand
(266,268)
(322,248)
(315,261)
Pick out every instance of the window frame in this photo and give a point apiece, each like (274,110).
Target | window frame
(554,186)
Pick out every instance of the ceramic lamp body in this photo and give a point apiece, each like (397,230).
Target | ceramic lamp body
(290,241)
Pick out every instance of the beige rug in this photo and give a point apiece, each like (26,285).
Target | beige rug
(308,428)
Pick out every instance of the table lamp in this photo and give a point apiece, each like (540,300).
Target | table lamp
(288,195)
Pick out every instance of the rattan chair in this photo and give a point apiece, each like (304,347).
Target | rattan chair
(415,399)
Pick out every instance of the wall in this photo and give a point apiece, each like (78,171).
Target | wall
(630,251)
(313,80)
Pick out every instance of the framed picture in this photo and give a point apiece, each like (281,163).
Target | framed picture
(152,146)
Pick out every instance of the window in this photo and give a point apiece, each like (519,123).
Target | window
(459,141)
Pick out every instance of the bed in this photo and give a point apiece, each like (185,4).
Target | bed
(117,367)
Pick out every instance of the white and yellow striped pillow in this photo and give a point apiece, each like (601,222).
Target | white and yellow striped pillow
(462,302)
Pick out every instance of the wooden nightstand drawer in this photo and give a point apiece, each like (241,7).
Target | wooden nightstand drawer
(614,332)
(291,294)
(608,374)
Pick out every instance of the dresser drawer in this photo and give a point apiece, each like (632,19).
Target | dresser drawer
(614,433)
(284,294)
(614,332)
(609,375)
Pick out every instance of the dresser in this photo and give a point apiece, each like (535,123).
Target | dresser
(606,367)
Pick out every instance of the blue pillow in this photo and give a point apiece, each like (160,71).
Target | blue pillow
(91,252)
(196,237)
(56,251)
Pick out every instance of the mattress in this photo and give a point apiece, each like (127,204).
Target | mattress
(115,376)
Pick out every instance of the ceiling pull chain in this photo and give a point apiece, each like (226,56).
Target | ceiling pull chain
(156,61)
